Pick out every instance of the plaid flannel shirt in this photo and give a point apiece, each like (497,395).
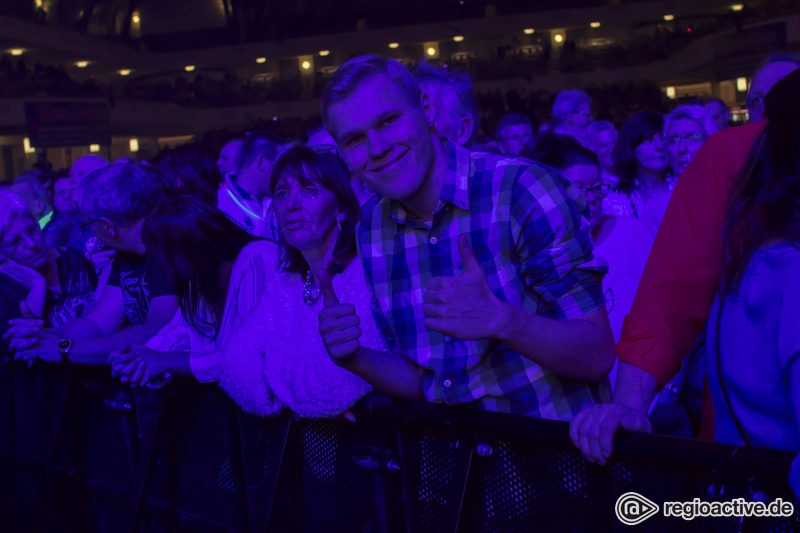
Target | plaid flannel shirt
(536,252)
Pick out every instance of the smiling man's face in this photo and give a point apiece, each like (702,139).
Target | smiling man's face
(384,138)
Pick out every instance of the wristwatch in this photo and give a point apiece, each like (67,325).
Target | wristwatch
(64,347)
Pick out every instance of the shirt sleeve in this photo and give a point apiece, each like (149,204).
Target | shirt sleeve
(680,278)
(554,246)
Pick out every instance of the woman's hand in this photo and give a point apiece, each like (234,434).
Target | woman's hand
(136,365)
(25,276)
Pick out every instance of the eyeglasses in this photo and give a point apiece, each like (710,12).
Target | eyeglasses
(692,138)
(598,191)
(755,103)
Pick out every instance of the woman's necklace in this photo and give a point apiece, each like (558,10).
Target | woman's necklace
(310,295)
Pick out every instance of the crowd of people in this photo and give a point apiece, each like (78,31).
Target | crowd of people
(396,251)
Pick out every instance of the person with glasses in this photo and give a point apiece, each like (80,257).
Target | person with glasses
(37,282)
(776,67)
(685,130)
(623,242)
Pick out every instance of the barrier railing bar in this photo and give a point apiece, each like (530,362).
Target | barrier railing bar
(143,478)
(465,453)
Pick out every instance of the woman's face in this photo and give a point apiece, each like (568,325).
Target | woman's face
(306,214)
(23,242)
(651,154)
(684,137)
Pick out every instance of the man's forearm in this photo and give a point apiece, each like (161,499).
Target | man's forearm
(80,328)
(95,351)
(389,373)
(573,348)
(635,387)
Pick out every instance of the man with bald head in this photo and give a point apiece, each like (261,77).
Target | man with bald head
(775,68)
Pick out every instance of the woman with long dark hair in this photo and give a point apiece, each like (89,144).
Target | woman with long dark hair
(753,335)
(219,273)
(278,359)
(641,162)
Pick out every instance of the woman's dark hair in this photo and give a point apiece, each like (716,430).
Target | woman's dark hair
(765,201)
(192,239)
(307,166)
(559,151)
(640,128)
(190,170)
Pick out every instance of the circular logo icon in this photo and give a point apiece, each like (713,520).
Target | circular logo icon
(633,508)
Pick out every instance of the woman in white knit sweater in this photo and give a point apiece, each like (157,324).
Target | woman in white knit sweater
(274,357)
(317,213)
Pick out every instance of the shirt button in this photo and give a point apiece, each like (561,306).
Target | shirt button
(447,383)
(434,240)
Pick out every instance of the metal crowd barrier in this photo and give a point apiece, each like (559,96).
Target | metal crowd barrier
(80,452)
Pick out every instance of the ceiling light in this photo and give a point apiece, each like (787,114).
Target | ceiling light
(594,24)
(528,31)
(394,45)
(559,38)
(124,72)
(458,38)
(81,64)
(324,53)
(94,148)
(737,7)
(16,51)
(136,19)
(261,60)
(741,84)
(188,68)
(431,51)
(306,65)
(669,18)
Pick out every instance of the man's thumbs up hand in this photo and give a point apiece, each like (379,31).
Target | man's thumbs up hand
(338,323)
(463,306)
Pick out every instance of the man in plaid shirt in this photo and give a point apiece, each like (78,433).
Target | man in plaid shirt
(480,266)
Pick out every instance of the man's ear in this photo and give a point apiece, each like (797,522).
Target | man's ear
(428,109)
(465,128)
(106,228)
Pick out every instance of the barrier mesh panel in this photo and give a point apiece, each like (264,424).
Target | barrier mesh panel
(258,441)
(525,489)
(336,493)
(428,462)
